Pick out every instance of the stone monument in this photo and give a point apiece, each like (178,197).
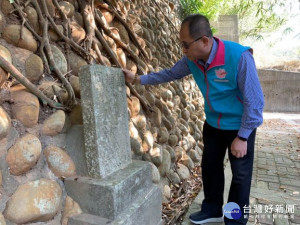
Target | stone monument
(227,27)
(105,117)
(115,189)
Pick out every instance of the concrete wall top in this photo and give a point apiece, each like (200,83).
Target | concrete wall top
(281,90)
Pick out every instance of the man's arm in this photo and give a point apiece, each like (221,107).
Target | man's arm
(253,98)
(178,71)
(253,101)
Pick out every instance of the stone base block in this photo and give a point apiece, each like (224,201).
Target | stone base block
(87,219)
(114,194)
(145,210)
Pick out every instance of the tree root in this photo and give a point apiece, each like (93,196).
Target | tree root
(21,14)
(147,108)
(117,40)
(91,16)
(167,19)
(131,34)
(144,104)
(47,48)
(67,31)
(9,68)
(72,43)
(65,82)
(87,9)
(98,52)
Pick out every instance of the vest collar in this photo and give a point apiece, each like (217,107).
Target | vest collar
(219,59)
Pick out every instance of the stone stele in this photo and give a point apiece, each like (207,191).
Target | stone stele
(104,105)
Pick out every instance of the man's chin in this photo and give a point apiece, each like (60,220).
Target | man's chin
(191,58)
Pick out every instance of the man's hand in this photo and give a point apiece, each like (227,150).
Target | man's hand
(239,148)
(129,76)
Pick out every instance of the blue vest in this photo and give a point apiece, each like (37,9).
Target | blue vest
(218,84)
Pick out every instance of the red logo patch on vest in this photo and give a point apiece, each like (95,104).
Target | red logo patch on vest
(221,73)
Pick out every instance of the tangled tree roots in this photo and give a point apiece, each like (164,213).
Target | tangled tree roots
(51,15)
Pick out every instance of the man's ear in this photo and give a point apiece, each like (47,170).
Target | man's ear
(205,40)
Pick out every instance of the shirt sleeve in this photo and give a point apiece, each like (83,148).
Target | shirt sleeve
(178,71)
(253,98)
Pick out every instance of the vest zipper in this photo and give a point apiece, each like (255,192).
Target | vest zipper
(207,91)
(219,120)
(239,99)
(206,81)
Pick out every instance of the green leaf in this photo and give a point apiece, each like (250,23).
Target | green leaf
(255,16)
(11,1)
(287,30)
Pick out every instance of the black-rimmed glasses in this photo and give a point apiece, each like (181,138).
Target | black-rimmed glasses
(187,45)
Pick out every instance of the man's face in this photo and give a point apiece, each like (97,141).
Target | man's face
(193,48)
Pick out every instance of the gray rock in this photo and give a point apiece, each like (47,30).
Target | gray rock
(156,154)
(34,68)
(59,59)
(163,135)
(136,146)
(12,35)
(155,174)
(173,140)
(183,171)
(195,156)
(54,124)
(37,201)
(174,177)
(166,163)
(187,161)
(172,153)
(22,156)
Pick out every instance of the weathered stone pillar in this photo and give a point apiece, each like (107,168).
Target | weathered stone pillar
(227,27)
(117,190)
(105,120)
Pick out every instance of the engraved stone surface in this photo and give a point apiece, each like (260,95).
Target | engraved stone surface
(106,131)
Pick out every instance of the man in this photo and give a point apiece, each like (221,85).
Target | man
(226,75)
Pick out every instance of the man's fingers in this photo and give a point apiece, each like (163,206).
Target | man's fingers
(238,154)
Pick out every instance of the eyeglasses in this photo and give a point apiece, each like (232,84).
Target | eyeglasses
(187,45)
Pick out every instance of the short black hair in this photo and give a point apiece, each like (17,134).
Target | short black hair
(198,25)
